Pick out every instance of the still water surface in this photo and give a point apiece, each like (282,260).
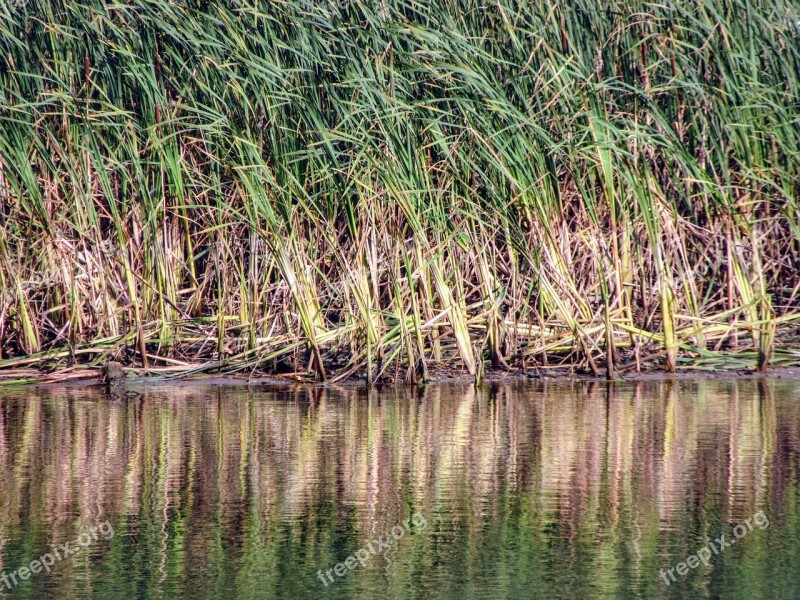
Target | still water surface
(522,490)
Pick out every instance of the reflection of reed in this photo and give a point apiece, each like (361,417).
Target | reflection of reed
(245,472)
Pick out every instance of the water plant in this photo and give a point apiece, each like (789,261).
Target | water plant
(378,188)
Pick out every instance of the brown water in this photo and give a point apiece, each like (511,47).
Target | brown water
(547,490)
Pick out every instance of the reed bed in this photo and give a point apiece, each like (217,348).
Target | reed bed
(386,189)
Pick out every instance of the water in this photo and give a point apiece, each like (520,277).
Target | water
(525,490)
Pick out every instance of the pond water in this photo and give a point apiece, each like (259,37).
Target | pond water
(541,489)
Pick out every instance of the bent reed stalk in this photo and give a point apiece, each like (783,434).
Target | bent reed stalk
(378,189)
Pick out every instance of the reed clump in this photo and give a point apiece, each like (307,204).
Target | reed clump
(382,189)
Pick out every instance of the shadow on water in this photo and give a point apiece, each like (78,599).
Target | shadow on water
(519,490)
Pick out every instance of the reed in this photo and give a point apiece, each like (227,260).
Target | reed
(380,189)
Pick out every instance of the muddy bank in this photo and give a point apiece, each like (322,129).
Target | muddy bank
(131,378)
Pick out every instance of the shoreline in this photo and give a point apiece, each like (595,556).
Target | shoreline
(92,377)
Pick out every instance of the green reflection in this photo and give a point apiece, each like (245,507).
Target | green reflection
(552,490)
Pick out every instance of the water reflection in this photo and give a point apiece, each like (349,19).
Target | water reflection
(546,489)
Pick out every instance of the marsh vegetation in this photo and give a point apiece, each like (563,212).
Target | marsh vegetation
(381,189)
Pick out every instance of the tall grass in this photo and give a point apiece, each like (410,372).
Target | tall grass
(375,188)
